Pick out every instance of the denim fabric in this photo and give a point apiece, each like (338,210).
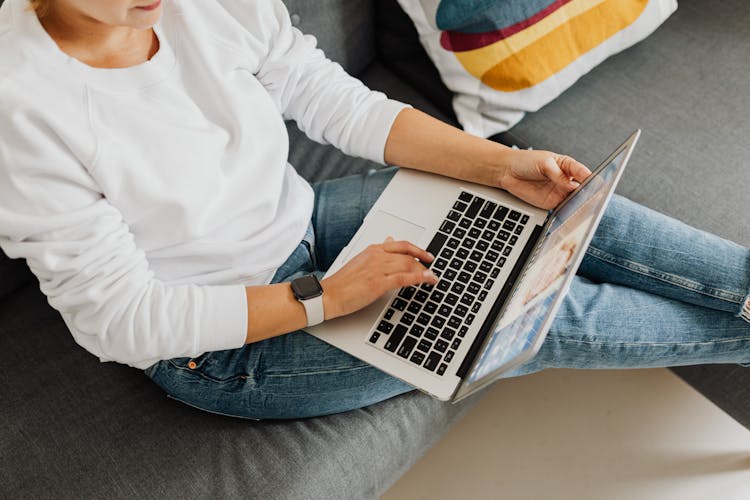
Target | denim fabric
(650,292)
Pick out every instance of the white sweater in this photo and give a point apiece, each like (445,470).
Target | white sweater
(145,198)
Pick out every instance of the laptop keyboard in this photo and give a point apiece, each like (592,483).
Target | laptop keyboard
(426,324)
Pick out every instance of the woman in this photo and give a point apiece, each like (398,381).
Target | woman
(143,176)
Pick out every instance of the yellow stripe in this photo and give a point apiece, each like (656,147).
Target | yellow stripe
(556,50)
(561,47)
(479,61)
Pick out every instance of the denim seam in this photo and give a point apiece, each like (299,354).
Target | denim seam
(319,372)
(671,279)
(654,344)
(211,411)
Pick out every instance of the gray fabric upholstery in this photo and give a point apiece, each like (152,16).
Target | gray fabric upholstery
(344,29)
(13,275)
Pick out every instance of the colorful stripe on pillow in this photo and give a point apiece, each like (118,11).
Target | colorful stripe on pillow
(520,52)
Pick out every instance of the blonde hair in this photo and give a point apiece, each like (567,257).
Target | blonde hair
(40,6)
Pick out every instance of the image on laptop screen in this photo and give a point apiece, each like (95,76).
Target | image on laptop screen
(521,323)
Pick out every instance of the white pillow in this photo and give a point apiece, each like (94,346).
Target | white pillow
(503,58)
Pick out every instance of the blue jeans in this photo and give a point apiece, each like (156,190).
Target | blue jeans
(651,292)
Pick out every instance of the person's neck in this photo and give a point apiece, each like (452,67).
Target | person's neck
(97,44)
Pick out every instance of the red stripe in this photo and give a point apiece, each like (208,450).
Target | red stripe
(456,41)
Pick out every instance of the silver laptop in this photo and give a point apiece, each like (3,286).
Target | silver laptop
(503,268)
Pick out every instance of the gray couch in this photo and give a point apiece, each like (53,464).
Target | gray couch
(74,428)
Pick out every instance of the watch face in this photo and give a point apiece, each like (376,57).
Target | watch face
(307,287)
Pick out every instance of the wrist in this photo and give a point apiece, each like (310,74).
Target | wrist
(329,301)
(495,165)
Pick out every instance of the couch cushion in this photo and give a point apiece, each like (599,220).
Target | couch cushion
(344,29)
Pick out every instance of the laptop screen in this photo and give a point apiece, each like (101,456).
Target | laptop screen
(522,324)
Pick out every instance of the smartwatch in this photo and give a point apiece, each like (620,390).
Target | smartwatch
(308,291)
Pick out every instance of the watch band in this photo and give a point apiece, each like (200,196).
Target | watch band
(314,310)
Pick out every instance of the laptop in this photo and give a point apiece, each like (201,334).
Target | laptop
(503,268)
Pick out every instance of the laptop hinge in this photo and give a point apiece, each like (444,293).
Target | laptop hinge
(489,321)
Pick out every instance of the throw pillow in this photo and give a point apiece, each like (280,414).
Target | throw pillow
(503,58)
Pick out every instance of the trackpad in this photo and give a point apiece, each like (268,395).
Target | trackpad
(378,226)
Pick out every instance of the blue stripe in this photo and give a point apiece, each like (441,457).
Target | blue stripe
(481,16)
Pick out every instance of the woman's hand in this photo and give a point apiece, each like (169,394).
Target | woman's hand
(373,272)
(541,178)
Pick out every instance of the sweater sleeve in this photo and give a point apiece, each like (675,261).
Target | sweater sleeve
(328,104)
(87,262)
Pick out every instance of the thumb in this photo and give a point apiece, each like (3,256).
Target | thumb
(553,172)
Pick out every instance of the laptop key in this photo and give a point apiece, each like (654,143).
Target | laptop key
(488,284)
(453,215)
(474,233)
(424,345)
(503,235)
(514,215)
(524,219)
(448,334)
(440,264)
(476,205)
(437,295)
(432,361)
(470,266)
(395,339)
(407,319)
(519,229)
(501,263)
(454,322)
(485,266)
(423,319)
(447,226)
(443,285)
(483,295)
(437,243)
(470,319)
(480,277)
(480,223)
(407,293)
(453,243)
(509,225)
(482,245)
(468,243)
(374,337)
(451,299)
(407,347)
(417,358)
(450,275)
(421,296)
(497,245)
(475,307)
(385,327)
(455,344)
(431,333)
(430,307)
(476,256)
(459,233)
(389,314)
(441,345)
(449,356)
(461,310)
(467,299)
(488,210)
(463,330)
(460,206)
(462,253)
(414,307)
(465,223)
(500,213)
(513,240)
(444,310)
(493,225)
(464,196)
(507,251)
(399,304)
(441,369)
(416,330)
(438,322)
(474,288)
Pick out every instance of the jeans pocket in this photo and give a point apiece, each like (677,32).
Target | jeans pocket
(219,366)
